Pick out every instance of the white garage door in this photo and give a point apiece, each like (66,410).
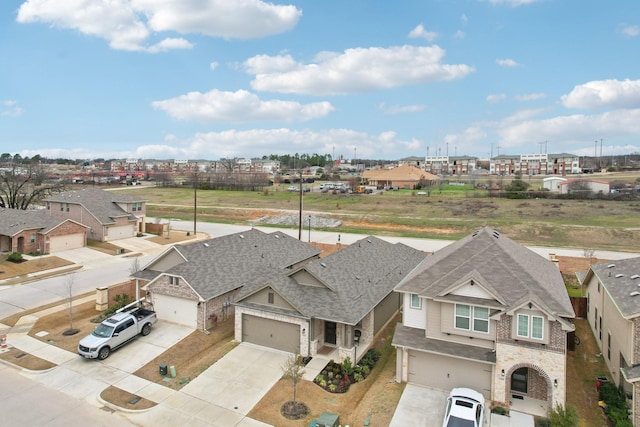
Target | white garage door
(121,232)
(445,373)
(64,243)
(176,310)
(271,333)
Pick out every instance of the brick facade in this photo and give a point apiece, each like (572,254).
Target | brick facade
(33,241)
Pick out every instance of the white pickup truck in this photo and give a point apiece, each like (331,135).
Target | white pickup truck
(115,332)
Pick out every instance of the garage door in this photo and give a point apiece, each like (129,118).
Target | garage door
(271,333)
(121,232)
(64,243)
(176,310)
(445,373)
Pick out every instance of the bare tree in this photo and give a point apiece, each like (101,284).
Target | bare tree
(20,189)
(69,284)
(293,370)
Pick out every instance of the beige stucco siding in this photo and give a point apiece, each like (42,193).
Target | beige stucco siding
(440,322)
(262,298)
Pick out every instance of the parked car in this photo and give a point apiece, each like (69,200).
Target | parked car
(115,332)
(293,188)
(465,408)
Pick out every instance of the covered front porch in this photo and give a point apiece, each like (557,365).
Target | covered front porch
(339,341)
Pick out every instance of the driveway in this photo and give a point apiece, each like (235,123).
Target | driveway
(223,394)
(420,406)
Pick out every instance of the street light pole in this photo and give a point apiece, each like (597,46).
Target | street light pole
(309,228)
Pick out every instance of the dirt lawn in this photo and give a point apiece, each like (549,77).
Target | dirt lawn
(16,272)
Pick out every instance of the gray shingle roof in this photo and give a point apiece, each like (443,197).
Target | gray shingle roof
(621,287)
(102,204)
(13,221)
(219,265)
(356,279)
(509,270)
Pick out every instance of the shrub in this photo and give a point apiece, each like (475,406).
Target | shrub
(347,367)
(564,416)
(15,257)
(499,410)
(358,377)
(333,387)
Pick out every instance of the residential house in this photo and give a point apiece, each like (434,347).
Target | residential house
(195,284)
(331,306)
(109,215)
(613,311)
(404,176)
(489,314)
(34,231)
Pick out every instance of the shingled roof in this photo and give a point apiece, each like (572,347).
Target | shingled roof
(13,221)
(509,270)
(621,279)
(100,203)
(216,266)
(349,282)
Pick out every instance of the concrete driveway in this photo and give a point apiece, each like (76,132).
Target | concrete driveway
(223,394)
(420,407)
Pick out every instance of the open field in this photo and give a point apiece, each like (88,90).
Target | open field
(599,224)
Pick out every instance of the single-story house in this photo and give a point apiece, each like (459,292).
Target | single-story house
(109,215)
(34,231)
(581,185)
(613,311)
(489,314)
(405,176)
(334,305)
(196,284)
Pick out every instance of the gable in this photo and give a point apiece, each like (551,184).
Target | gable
(471,289)
(303,277)
(269,298)
(169,259)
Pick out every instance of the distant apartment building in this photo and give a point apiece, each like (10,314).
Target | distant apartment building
(535,164)
(450,165)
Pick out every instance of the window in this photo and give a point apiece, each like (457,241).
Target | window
(472,318)
(67,207)
(598,286)
(174,281)
(588,301)
(270,297)
(137,206)
(481,319)
(415,301)
(530,326)
(609,345)
(595,318)
(48,206)
(463,316)
(61,207)
(33,238)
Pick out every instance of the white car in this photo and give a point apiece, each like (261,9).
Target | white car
(465,408)
(293,188)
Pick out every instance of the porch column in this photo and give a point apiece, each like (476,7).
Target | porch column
(348,339)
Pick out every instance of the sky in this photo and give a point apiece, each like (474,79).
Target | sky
(367,79)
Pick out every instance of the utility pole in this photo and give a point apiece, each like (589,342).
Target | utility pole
(300,211)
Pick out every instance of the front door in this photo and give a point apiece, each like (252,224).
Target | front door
(330,332)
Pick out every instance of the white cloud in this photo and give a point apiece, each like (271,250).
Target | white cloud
(213,66)
(572,128)
(508,63)
(239,106)
(129,24)
(495,98)
(464,19)
(420,32)
(630,30)
(470,135)
(399,109)
(355,70)
(530,96)
(10,108)
(246,143)
(604,93)
(459,34)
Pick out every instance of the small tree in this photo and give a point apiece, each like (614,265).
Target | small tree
(293,370)
(69,285)
(517,189)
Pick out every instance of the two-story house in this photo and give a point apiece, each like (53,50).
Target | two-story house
(613,311)
(489,314)
(109,215)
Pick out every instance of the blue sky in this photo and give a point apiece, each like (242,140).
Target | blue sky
(207,79)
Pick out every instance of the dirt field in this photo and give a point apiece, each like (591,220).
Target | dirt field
(16,272)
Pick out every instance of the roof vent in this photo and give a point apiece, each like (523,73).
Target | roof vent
(206,245)
(496,234)
(634,294)
(322,264)
(242,236)
(276,236)
(369,240)
(635,276)
(611,265)
(619,275)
